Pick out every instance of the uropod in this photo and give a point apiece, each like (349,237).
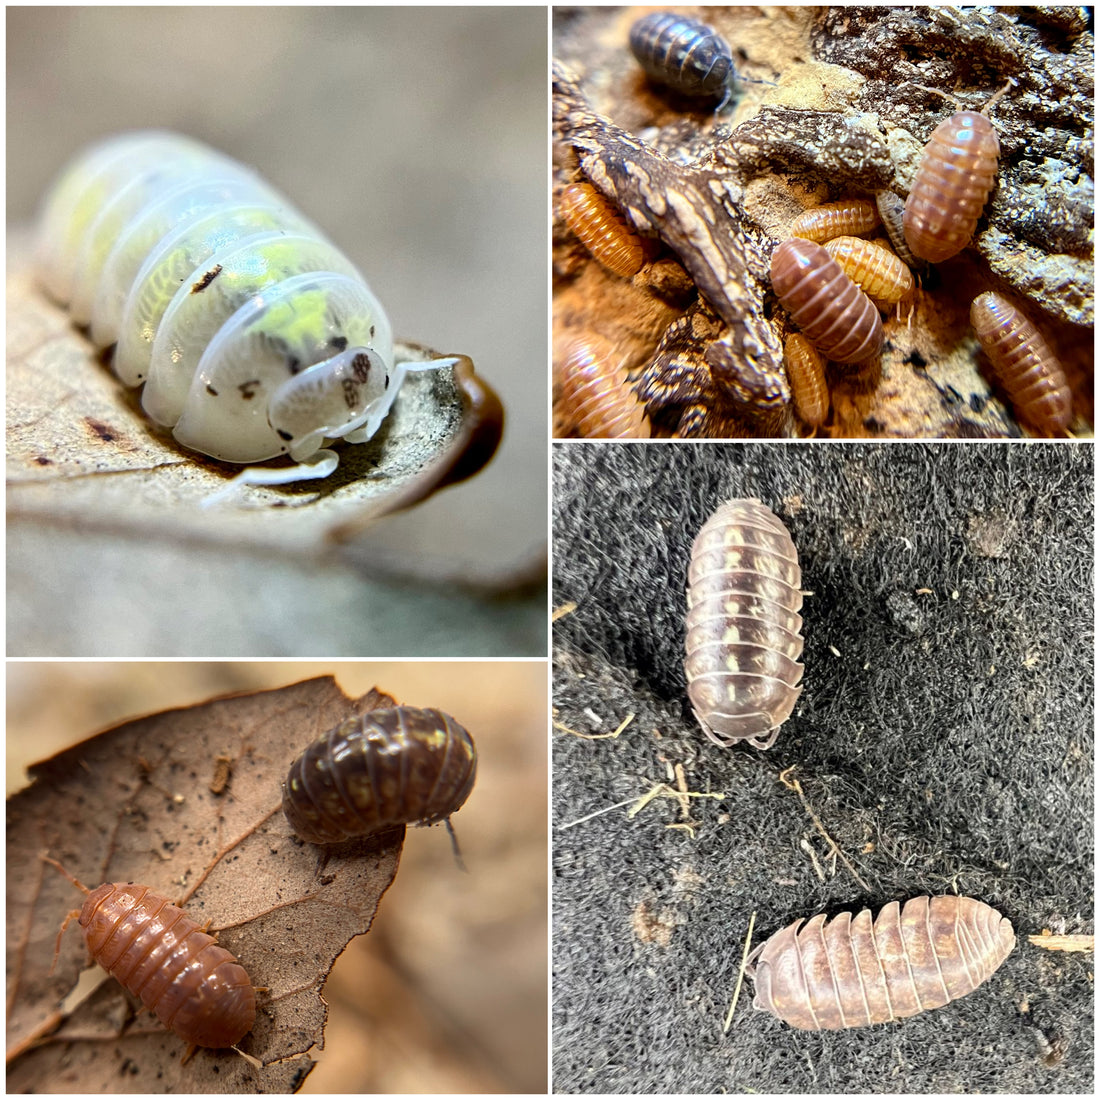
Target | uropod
(253,335)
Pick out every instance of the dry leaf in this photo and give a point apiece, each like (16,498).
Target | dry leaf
(81,450)
(136,803)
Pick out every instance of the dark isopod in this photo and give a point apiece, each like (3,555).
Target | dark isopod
(683,54)
(743,626)
(392,766)
(850,972)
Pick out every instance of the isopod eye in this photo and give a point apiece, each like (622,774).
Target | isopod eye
(328,399)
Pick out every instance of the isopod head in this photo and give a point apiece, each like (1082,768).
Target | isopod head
(390,766)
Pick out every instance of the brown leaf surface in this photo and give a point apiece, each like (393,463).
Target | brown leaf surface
(81,450)
(137,803)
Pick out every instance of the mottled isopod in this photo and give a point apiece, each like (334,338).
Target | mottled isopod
(834,314)
(891,209)
(603,230)
(874,269)
(391,766)
(158,953)
(957,171)
(595,394)
(848,972)
(683,54)
(807,374)
(743,627)
(253,335)
(835,219)
(1023,364)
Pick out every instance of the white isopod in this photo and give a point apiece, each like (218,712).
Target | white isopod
(253,335)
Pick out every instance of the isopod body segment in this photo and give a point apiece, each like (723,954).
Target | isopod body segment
(743,628)
(833,313)
(874,269)
(683,54)
(958,169)
(806,372)
(852,971)
(603,230)
(1023,363)
(390,766)
(192,983)
(596,395)
(835,219)
(253,336)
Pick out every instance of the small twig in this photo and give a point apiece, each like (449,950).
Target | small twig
(681,786)
(596,813)
(794,785)
(1063,943)
(740,974)
(594,736)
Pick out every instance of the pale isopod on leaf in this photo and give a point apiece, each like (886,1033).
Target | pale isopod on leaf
(253,335)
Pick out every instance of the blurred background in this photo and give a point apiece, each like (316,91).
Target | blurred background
(416,139)
(448,991)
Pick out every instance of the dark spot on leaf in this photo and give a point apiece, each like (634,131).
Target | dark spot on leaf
(206,280)
(103,431)
(42,460)
(915,359)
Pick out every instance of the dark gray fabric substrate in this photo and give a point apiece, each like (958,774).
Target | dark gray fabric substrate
(943,739)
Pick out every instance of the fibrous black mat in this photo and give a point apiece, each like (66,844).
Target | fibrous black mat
(942,744)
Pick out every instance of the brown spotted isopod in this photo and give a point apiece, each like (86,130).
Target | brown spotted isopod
(603,230)
(1023,363)
(806,372)
(850,972)
(957,171)
(874,269)
(158,953)
(835,219)
(391,766)
(743,627)
(595,394)
(833,313)
(891,209)
(683,54)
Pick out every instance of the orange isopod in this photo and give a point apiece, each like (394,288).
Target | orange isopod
(874,269)
(602,230)
(806,371)
(835,219)
(957,171)
(834,314)
(193,984)
(595,393)
(1023,364)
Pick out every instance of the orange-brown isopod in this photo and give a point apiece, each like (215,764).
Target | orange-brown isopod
(807,374)
(833,313)
(957,171)
(850,972)
(192,983)
(874,269)
(602,230)
(595,394)
(1023,364)
(835,219)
